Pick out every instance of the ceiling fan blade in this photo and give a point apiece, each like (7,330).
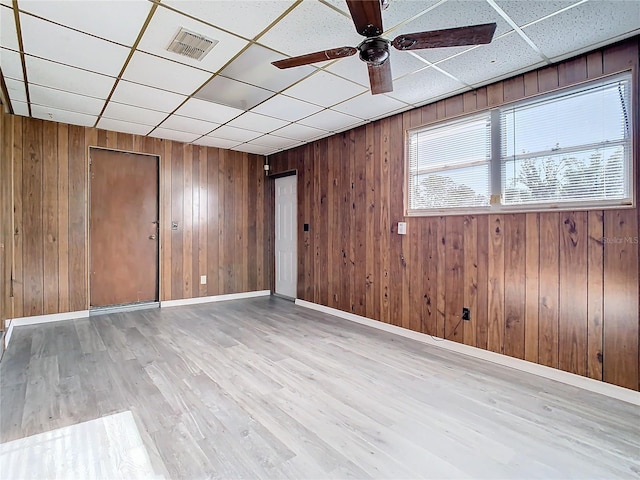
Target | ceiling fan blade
(380,78)
(367,16)
(451,37)
(315,57)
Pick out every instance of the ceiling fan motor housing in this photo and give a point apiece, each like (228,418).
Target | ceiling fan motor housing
(374,51)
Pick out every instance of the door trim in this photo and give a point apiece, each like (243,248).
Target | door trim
(88,214)
(288,173)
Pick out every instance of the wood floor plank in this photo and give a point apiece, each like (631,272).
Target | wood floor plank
(261,388)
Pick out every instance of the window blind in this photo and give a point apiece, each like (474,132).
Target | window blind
(449,164)
(570,148)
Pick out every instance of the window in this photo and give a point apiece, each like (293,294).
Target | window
(571,149)
(449,164)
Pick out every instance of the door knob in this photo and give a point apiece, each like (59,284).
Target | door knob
(152,237)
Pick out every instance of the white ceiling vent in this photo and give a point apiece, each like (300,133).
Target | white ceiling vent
(190,44)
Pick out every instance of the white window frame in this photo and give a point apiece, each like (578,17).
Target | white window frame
(495,165)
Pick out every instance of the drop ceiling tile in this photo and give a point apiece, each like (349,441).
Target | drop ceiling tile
(62,77)
(424,85)
(246,18)
(165,24)
(368,106)
(168,134)
(116,20)
(8,36)
(216,142)
(275,142)
(398,10)
(120,111)
(17,92)
(311,27)
(296,131)
(525,12)
(61,44)
(255,149)
(330,120)
(63,116)
(191,125)
(232,93)
(257,122)
(356,70)
(233,133)
(70,102)
(586,25)
(501,57)
(161,73)
(20,108)
(123,126)
(146,97)
(324,89)
(451,15)
(254,66)
(209,111)
(286,108)
(11,64)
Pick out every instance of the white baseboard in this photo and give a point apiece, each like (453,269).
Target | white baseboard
(7,335)
(37,319)
(613,391)
(214,298)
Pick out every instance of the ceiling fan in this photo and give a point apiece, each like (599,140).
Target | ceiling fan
(374,50)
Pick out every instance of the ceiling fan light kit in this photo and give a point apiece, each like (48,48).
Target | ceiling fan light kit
(374,50)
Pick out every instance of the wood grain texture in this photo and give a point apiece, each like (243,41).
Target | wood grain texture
(572,335)
(540,289)
(50,179)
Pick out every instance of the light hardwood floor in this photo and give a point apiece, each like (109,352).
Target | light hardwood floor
(261,388)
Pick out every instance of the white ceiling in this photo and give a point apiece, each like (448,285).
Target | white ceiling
(104,63)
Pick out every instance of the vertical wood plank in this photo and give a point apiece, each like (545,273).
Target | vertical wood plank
(532,269)
(482,315)
(595,293)
(187,222)
(454,279)
(18,231)
(166,163)
(177,215)
(441,276)
(385,221)
(78,299)
(470,300)
(430,276)
(63,217)
(572,312)
(514,285)
(621,298)
(32,217)
(549,281)
(495,327)
(50,216)
(359,214)
(514,88)
(213,197)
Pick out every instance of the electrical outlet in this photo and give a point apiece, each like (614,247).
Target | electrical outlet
(402,228)
(466,313)
(203,279)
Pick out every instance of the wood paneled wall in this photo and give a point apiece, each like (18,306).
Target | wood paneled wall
(6,235)
(216,196)
(543,287)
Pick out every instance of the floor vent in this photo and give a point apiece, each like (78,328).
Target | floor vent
(190,44)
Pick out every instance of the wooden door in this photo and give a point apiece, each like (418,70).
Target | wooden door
(123,228)
(286,245)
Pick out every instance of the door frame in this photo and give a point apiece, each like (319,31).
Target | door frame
(88,214)
(272,178)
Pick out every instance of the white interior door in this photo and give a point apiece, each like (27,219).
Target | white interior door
(286,246)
